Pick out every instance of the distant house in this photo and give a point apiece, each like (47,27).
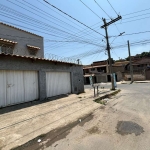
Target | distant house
(20,42)
(25,75)
(100,71)
(140,69)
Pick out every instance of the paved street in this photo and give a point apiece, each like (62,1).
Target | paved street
(123,124)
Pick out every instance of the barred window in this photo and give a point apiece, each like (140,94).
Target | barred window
(6,49)
(33,50)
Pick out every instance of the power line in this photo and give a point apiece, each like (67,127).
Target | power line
(112,7)
(36,14)
(35,26)
(30,19)
(88,53)
(87,33)
(102,9)
(133,44)
(133,33)
(29,28)
(75,42)
(90,9)
(58,13)
(134,20)
(72,17)
(116,47)
(136,12)
(93,58)
(117,14)
(48,14)
(24,8)
(136,16)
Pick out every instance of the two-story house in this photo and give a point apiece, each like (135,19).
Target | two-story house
(100,71)
(20,42)
(25,75)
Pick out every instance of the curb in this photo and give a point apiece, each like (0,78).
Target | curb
(107,95)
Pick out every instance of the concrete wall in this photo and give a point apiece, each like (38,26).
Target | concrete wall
(42,66)
(118,68)
(101,78)
(22,38)
(147,73)
(119,76)
(136,77)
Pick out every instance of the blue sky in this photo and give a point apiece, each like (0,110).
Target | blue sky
(68,38)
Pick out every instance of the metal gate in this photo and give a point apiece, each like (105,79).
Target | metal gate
(18,87)
(58,83)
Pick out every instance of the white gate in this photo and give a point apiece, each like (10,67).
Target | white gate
(58,83)
(18,87)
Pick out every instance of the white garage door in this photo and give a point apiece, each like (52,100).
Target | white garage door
(18,87)
(58,83)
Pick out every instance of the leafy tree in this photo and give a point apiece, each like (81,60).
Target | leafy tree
(143,54)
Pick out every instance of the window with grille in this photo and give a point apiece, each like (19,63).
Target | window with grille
(6,49)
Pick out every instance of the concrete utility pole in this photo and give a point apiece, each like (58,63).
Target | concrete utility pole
(131,68)
(109,56)
(78,60)
(108,46)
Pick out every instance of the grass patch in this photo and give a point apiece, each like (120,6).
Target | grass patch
(101,100)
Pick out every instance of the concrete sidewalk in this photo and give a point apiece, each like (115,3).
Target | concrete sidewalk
(146,81)
(20,126)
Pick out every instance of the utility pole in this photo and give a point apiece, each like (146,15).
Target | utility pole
(131,67)
(108,46)
(78,60)
(109,56)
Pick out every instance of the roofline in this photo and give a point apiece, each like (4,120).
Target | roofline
(37,58)
(94,66)
(19,29)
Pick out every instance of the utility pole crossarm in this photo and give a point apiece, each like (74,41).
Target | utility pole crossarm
(111,22)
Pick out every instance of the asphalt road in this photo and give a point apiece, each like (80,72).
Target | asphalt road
(123,124)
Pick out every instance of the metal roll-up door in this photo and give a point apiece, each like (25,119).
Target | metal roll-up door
(58,83)
(31,90)
(18,87)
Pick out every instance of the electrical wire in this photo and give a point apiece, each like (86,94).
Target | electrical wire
(136,16)
(37,14)
(133,33)
(39,22)
(134,20)
(102,8)
(59,14)
(136,12)
(72,17)
(26,9)
(48,14)
(112,7)
(89,9)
